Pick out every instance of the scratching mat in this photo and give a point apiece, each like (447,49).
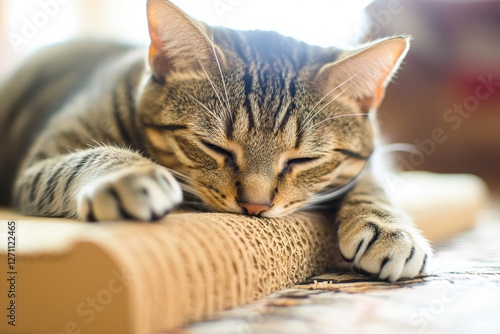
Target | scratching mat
(73,277)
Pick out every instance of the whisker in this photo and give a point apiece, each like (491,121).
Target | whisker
(397,147)
(339,116)
(336,192)
(325,96)
(317,112)
(193,203)
(314,207)
(324,197)
(222,77)
(204,106)
(190,190)
(186,183)
(211,83)
(179,175)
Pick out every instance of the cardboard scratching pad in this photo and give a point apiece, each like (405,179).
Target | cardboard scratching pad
(74,277)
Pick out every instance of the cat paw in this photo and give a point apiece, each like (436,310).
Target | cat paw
(386,250)
(137,193)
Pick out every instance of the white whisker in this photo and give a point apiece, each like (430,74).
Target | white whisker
(302,127)
(397,147)
(211,83)
(177,173)
(204,106)
(325,96)
(190,190)
(332,193)
(311,206)
(185,183)
(339,116)
(222,77)
(193,203)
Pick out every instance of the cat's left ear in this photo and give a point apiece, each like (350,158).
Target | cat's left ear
(179,44)
(364,73)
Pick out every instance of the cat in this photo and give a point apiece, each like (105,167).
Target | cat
(245,122)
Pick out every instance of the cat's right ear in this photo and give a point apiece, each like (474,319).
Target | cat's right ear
(179,45)
(364,74)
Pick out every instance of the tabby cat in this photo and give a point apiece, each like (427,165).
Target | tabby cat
(246,122)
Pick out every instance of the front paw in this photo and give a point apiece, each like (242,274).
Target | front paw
(384,248)
(139,192)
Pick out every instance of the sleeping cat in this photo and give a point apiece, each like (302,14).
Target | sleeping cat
(245,122)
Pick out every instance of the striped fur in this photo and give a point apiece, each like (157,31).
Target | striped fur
(248,122)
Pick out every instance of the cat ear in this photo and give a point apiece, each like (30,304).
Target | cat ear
(178,43)
(365,73)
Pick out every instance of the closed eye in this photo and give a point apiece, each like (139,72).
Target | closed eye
(298,161)
(228,155)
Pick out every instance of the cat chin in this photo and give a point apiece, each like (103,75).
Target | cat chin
(272,213)
(276,213)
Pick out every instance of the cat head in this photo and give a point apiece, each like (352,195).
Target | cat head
(254,121)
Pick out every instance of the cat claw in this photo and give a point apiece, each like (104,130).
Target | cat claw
(384,251)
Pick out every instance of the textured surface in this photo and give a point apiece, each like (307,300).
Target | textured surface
(150,277)
(460,294)
(217,261)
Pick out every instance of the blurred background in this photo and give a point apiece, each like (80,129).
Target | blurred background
(445,101)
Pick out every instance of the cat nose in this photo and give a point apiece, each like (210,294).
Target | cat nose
(253,208)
